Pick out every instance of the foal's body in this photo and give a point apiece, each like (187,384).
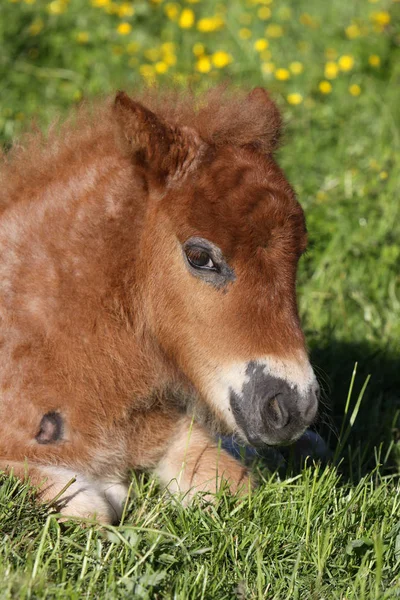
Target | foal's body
(103,325)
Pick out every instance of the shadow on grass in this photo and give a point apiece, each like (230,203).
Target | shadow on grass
(375,434)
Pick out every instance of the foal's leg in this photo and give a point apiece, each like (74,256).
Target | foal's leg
(84,498)
(193,462)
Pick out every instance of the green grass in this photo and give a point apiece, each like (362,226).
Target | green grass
(320,533)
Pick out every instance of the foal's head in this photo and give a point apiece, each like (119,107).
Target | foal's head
(220,247)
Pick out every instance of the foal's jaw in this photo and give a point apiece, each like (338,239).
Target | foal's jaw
(269,401)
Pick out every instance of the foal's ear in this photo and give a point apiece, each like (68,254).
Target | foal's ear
(165,150)
(266,111)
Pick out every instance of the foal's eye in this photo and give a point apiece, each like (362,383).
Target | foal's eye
(199,258)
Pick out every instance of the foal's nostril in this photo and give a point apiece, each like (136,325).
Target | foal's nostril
(312,406)
(277,413)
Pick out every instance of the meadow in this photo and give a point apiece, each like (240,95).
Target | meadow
(309,531)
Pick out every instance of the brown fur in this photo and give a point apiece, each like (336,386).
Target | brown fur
(96,306)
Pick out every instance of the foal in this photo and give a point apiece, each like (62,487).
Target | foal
(147,296)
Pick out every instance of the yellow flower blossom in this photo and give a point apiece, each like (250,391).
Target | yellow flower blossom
(264,13)
(355,89)
(186,19)
(29,1)
(221,59)
(203,65)
(171,9)
(296,67)
(56,7)
(152,54)
(374,60)
(268,68)
(198,49)
(261,44)
(36,27)
(168,47)
(99,3)
(331,70)
(82,37)
(294,98)
(353,31)
(265,55)
(346,62)
(325,87)
(111,8)
(244,33)
(274,31)
(383,175)
(132,47)
(309,21)
(147,72)
(124,28)
(381,18)
(126,10)
(161,67)
(282,74)
(192,1)
(208,24)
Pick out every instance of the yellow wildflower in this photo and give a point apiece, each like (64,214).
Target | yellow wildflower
(126,10)
(294,98)
(244,33)
(198,49)
(268,68)
(186,20)
(172,10)
(282,74)
(111,8)
(265,55)
(147,72)
(161,67)
(56,7)
(203,65)
(355,89)
(124,28)
(132,47)
(82,37)
(29,1)
(36,27)
(274,31)
(261,44)
(208,24)
(308,21)
(192,1)
(168,47)
(374,60)
(381,18)
(221,59)
(100,3)
(325,87)
(383,175)
(346,62)
(331,70)
(264,13)
(353,31)
(152,54)
(296,67)
(170,59)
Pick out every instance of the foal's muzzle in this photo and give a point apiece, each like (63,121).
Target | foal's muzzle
(270,411)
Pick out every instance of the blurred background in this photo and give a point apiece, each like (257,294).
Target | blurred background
(334,70)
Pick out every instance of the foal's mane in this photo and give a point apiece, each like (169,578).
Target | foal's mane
(220,116)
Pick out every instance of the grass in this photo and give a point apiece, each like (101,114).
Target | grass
(321,532)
